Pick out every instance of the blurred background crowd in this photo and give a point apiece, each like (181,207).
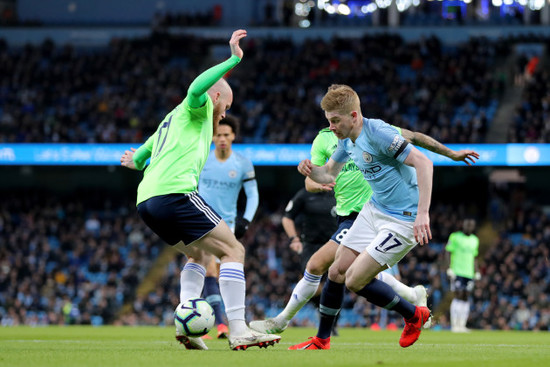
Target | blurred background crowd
(85,260)
(59,94)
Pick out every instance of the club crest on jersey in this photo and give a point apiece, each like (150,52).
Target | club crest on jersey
(232,173)
(367,157)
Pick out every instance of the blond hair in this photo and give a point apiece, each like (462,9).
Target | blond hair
(340,98)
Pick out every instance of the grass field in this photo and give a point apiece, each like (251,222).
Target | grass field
(155,347)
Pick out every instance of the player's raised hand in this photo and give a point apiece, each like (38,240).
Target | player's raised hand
(466,155)
(305,167)
(421,228)
(127,159)
(234,43)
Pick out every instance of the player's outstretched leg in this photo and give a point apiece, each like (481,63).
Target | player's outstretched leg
(331,303)
(302,293)
(271,325)
(192,280)
(382,295)
(221,242)
(415,295)
(413,326)
(232,288)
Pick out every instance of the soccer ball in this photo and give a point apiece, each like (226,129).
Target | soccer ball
(194,317)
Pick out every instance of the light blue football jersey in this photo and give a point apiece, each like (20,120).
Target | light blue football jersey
(379,152)
(221,182)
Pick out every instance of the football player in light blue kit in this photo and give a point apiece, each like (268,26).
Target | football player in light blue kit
(224,174)
(391,223)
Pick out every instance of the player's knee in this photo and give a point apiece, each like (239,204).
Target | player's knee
(316,267)
(235,251)
(352,282)
(336,274)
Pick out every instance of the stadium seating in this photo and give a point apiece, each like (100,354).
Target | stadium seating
(449,92)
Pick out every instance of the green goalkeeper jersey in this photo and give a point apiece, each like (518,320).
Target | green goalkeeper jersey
(463,249)
(351,191)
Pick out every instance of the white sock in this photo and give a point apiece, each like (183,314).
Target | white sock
(304,290)
(233,291)
(455,306)
(191,281)
(464,313)
(401,289)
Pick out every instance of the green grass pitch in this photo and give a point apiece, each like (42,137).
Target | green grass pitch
(156,347)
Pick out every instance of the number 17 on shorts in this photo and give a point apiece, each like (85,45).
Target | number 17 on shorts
(388,248)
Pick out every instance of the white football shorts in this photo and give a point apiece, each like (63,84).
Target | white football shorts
(385,238)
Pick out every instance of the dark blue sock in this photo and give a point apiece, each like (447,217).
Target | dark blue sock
(331,303)
(382,295)
(211,294)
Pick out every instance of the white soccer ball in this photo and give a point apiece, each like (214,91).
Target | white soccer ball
(194,317)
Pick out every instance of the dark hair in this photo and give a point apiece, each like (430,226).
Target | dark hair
(232,122)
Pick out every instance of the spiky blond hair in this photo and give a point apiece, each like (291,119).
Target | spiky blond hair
(340,98)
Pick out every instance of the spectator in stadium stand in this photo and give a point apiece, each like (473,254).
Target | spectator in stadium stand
(457,84)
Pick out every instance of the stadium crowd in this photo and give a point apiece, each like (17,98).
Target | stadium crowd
(120,93)
(80,259)
(71,260)
(531,123)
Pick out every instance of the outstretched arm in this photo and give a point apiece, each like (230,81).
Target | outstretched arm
(197,90)
(427,142)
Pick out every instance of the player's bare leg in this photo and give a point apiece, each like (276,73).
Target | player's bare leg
(221,242)
(360,278)
(331,300)
(192,282)
(306,288)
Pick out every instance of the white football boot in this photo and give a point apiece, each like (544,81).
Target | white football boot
(422,300)
(252,338)
(189,342)
(268,326)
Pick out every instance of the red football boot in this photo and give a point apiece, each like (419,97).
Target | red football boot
(413,326)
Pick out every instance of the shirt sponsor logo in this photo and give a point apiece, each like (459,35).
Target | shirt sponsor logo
(215,184)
